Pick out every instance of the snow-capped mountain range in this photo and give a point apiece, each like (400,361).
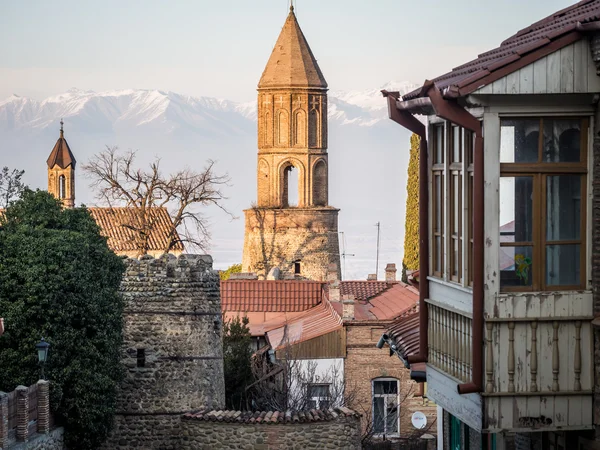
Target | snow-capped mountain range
(169,111)
(368,155)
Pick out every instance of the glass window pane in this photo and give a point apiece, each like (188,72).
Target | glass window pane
(438,254)
(318,390)
(456,210)
(562,265)
(454,257)
(562,140)
(563,215)
(378,414)
(519,140)
(456,153)
(312,404)
(439,144)
(391,418)
(516,209)
(516,266)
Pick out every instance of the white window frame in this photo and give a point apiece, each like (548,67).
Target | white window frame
(319,399)
(385,397)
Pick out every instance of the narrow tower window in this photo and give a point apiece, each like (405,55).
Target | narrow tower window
(62,188)
(141,357)
(290,186)
(297,267)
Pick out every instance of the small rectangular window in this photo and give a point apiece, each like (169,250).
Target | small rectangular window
(318,396)
(386,407)
(141,357)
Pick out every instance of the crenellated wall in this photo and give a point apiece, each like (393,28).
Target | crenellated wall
(172,348)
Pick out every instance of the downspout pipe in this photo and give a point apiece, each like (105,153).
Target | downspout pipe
(410,122)
(454,113)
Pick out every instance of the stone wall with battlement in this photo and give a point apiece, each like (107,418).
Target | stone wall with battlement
(282,237)
(172,350)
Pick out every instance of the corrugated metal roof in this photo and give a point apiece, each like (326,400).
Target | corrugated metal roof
(405,333)
(270,295)
(272,417)
(115,225)
(317,321)
(529,40)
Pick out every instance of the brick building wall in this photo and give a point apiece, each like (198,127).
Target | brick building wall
(172,351)
(365,362)
(280,237)
(342,433)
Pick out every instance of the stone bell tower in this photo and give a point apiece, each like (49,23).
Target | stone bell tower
(61,171)
(301,240)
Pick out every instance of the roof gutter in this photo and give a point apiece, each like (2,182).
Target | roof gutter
(410,122)
(454,113)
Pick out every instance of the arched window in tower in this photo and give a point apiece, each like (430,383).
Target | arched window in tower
(300,128)
(62,187)
(290,186)
(283,128)
(320,184)
(313,128)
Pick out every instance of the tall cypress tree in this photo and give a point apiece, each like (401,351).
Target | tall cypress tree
(411,233)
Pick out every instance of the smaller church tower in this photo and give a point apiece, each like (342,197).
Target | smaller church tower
(61,171)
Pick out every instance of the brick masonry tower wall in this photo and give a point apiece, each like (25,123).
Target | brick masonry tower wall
(172,352)
(280,237)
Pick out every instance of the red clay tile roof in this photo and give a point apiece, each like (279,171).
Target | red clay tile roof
(113,224)
(317,321)
(363,290)
(270,295)
(272,417)
(261,321)
(405,333)
(525,47)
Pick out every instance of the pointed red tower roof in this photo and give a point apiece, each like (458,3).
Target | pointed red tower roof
(61,153)
(292,63)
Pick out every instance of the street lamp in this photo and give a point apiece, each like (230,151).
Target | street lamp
(42,348)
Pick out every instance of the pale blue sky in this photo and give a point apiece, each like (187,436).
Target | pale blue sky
(219,48)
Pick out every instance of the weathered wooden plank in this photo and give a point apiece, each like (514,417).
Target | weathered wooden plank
(553,73)
(565,370)
(592,76)
(512,83)
(561,414)
(539,76)
(587,411)
(545,359)
(547,407)
(575,411)
(499,86)
(519,306)
(533,407)
(522,344)
(561,304)
(587,345)
(487,89)
(566,69)
(532,306)
(526,80)
(580,67)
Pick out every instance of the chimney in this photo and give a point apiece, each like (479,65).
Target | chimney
(334,291)
(332,273)
(372,277)
(390,273)
(348,307)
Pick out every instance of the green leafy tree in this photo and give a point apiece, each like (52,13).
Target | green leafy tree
(411,233)
(237,355)
(60,281)
(234,268)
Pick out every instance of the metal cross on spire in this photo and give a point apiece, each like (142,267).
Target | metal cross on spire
(61,126)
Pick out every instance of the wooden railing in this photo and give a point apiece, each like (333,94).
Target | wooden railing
(450,342)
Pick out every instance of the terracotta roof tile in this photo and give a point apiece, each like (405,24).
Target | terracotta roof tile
(317,321)
(113,224)
(270,295)
(363,290)
(272,417)
(530,39)
(390,302)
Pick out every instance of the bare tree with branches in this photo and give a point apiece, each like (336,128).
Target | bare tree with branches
(11,185)
(120,183)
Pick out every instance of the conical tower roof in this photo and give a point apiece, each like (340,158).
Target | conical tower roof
(292,63)
(61,153)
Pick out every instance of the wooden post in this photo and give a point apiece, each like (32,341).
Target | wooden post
(534,362)
(555,362)
(22,413)
(489,363)
(43,407)
(511,357)
(577,362)
(3,420)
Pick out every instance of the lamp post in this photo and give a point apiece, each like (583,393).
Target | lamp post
(42,349)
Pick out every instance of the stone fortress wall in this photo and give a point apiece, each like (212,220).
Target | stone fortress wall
(172,350)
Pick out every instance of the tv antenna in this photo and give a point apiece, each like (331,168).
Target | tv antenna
(378,225)
(344,254)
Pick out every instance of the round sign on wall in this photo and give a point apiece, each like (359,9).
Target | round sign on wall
(419,420)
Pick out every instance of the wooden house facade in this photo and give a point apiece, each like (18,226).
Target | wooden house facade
(509,217)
